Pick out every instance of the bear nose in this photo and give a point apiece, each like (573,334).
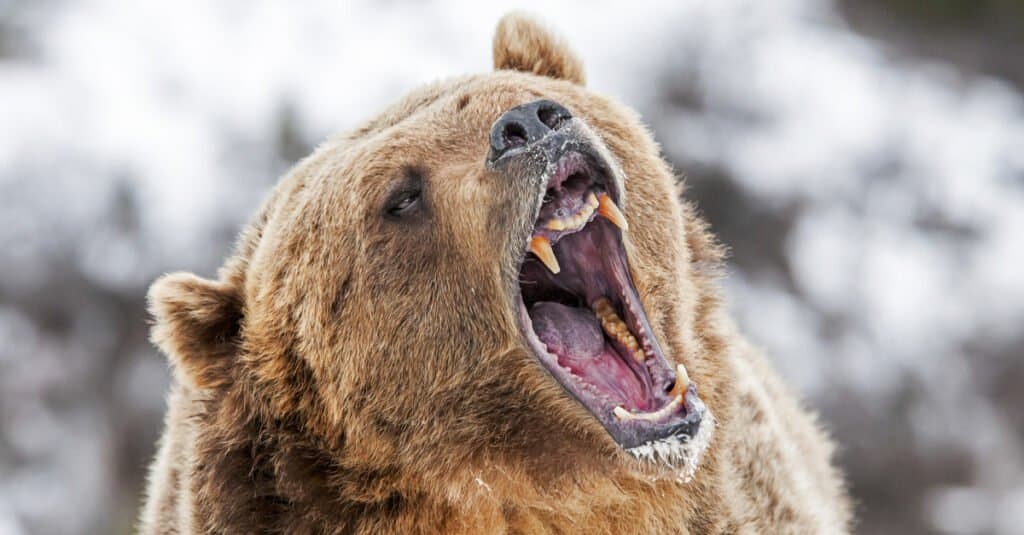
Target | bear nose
(524,125)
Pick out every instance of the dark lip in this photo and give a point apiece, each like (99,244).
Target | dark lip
(685,421)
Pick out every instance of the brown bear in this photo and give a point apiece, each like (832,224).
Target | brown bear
(485,310)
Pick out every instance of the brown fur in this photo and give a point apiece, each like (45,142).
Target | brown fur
(350,374)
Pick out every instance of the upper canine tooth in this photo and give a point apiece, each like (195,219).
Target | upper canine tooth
(622,414)
(612,212)
(541,247)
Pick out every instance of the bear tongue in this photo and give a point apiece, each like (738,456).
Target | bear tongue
(568,330)
(574,336)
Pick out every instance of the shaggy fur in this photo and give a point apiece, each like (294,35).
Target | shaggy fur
(348,373)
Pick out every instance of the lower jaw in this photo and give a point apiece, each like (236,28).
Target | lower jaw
(666,408)
(673,449)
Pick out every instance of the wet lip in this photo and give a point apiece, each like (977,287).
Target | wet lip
(582,317)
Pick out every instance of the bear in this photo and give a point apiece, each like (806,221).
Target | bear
(489,309)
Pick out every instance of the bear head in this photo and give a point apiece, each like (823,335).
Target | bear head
(492,282)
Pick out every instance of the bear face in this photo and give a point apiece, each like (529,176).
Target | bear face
(495,276)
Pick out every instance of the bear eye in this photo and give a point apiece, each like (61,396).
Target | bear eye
(404,202)
(406,197)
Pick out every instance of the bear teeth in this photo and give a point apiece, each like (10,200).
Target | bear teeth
(541,247)
(658,415)
(616,328)
(611,212)
(578,220)
(682,381)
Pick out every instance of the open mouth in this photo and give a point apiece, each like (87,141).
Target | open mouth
(583,319)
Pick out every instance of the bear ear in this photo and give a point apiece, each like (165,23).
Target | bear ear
(522,44)
(196,323)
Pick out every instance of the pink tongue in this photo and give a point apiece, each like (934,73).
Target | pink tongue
(574,336)
(568,330)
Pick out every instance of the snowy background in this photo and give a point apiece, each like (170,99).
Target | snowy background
(863,159)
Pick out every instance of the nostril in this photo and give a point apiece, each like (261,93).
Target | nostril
(524,125)
(514,134)
(552,117)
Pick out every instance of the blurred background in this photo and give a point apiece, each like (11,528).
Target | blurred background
(864,160)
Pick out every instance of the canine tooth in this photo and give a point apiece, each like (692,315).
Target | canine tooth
(622,414)
(682,381)
(592,201)
(541,247)
(612,212)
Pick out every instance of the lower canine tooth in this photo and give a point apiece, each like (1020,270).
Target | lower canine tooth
(682,381)
(622,414)
(541,247)
(682,377)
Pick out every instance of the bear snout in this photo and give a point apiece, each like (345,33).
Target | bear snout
(525,125)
